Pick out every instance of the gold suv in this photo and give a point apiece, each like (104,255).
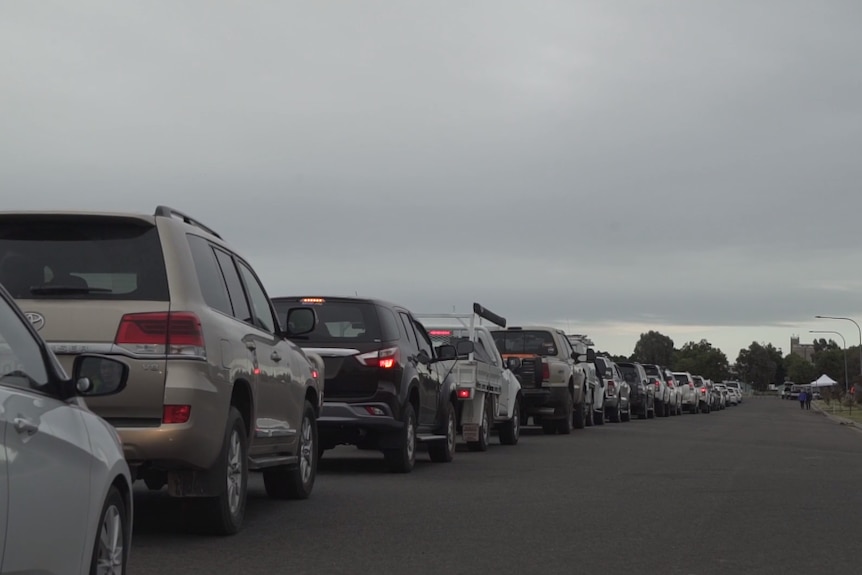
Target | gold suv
(215,389)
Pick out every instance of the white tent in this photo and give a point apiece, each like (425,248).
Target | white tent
(823,381)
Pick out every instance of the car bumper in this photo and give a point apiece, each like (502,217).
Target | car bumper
(545,401)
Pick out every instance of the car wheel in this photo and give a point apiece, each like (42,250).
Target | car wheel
(110,551)
(579,418)
(403,459)
(443,450)
(224,513)
(510,431)
(296,481)
(564,425)
(599,417)
(484,429)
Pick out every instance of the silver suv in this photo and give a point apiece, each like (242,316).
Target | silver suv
(215,389)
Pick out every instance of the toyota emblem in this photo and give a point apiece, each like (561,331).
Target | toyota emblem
(37,319)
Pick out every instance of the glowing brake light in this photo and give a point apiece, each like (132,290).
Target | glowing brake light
(703,390)
(383,358)
(438,332)
(312,300)
(315,374)
(464,393)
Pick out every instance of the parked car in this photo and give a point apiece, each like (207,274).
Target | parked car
(617,402)
(676,391)
(63,478)
(557,399)
(215,388)
(656,378)
(702,393)
(689,393)
(642,394)
(384,387)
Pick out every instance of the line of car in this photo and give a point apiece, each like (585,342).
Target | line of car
(192,377)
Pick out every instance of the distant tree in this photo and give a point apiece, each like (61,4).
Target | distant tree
(759,365)
(831,362)
(654,347)
(799,369)
(821,344)
(701,358)
(612,357)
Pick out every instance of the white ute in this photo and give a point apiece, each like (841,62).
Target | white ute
(488,393)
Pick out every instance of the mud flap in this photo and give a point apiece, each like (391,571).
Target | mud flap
(470,432)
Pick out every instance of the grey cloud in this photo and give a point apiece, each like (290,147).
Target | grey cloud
(694,161)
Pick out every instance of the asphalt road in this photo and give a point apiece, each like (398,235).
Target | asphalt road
(755,489)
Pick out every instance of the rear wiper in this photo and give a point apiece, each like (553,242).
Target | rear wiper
(61,289)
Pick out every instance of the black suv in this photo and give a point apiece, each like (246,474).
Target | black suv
(384,388)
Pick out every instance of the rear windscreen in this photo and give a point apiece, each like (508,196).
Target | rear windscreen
(683,379)
(81,258)
(338,322)
(651,370)
(529,342)
(630,373)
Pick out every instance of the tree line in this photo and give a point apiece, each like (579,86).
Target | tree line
(760,364)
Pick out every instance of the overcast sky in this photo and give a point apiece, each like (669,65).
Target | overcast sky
(610,166)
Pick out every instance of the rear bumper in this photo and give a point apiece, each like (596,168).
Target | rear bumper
(545,401)
(372,415)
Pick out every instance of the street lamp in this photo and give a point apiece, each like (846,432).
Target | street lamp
(845,353)
(857,327)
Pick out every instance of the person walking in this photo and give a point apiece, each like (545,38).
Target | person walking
(808,396)
(802,397)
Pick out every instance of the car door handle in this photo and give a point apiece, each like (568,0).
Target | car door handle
(250,345)
(23,425)
(275,356)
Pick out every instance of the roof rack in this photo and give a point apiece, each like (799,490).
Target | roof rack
(169,212)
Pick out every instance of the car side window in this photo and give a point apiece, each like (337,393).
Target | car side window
(422,339)
(263,316)
(234,287)
(210,278)
(22,364)
(388,323)
(408,329)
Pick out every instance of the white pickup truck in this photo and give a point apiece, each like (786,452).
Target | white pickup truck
(488,393)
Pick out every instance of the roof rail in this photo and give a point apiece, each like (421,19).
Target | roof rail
(169,212)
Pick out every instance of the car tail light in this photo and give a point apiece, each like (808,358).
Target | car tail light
(464,393)
(162,333)
(703,390)
(691,386)
(176,413)
(546,371)
(611,384)
(386,358)
(657,385)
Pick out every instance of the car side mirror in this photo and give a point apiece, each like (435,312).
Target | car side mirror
(444,352)
(299,321)
(98,375)
(513,363)
(464,347)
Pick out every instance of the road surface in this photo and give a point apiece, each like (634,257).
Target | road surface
(757,489)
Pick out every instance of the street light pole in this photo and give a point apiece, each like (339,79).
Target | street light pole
(857,327)
(845,354)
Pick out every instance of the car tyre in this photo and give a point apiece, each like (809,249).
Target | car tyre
(224,513)
(443,450)
(403,459)
(484,429)
(110,548)
(510,431)
(296,481)
(564,425)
